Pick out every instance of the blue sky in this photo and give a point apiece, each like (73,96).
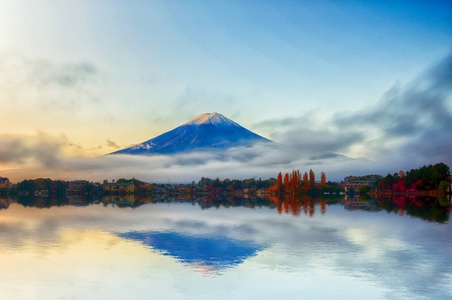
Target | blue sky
(94,74)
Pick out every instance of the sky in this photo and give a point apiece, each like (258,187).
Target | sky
(369,80)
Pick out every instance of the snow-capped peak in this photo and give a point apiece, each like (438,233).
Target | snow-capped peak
(212,119)
(206,131)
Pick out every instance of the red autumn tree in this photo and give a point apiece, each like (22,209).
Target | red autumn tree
(295,182)
(280,184)
(305,178)
(323,179)
(286,182)
(311,177)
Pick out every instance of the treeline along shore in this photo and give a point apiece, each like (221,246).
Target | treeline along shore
(419,192)
(432,180)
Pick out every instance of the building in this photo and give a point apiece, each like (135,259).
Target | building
(4,183)
(356,184)
(75,187)
(118,187)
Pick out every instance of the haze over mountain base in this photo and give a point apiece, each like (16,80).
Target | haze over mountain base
(259,161)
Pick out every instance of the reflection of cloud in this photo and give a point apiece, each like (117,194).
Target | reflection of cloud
(368,249)
(213,253)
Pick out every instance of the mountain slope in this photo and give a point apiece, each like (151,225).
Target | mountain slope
(206,131)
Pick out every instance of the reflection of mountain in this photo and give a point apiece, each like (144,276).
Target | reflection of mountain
(214,253)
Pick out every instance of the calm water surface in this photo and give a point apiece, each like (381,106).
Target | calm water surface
(257,250)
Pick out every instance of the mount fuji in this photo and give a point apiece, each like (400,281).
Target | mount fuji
(205,132)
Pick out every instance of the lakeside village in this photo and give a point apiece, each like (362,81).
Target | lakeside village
(428,181)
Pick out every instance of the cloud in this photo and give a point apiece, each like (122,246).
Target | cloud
(46,84)
(308,136)
(113,144)
(409,127)
(13,150)
(41,149)
(259,161)
(418,117)
(45,73)
(411,124)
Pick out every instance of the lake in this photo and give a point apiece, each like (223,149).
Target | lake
(225,249)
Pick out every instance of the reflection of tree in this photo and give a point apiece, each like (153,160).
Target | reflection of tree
(287,205)
(294,204)
(323,207)
(311,208)
(5,202)
(279,207)
(47,202)
(426,208)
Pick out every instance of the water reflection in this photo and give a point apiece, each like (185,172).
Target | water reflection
(427,208)
(153,248)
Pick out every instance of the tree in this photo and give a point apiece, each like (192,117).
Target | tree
(305,178)
(279,179)
(280,184)
(311,177)
(323,179)
(439,172)
(364,189)
(286,182)
(443,187)
(387,182)
(295,180)
(423,178)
